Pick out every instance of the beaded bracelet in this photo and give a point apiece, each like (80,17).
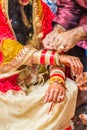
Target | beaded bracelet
(57,75)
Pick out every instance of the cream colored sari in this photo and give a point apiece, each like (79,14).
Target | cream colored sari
(30,113)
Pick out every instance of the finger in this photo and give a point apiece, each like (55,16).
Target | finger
(61,47)
(64,93)
(78,78)
(55,96)
(60,96)
(51,95)
(54,41)
(46,43)
(67,48)
(80,66)
(82,81)
(72,66)
(83,118)
(46,97)
(80,88)
(85,88)
(77,68)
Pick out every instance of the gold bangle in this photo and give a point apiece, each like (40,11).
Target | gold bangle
(47,57)
(56,79)
(57,59)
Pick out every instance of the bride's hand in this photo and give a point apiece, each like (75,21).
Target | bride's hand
(74,63)
(56,93)
(48,41)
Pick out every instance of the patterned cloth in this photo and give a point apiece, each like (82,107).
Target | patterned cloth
(52,4)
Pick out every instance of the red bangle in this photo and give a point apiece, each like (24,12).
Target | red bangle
(59,75)
(52,61)
(42,58)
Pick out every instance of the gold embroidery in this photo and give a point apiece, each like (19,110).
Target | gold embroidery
(10,49)
(0,1)
(24,57)
(37,23)
(24,17)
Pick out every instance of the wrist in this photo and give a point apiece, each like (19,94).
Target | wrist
(59,28)
(79,34)
(57,75)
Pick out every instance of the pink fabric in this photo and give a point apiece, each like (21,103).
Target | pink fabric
(82,44)
(83,23)
(82,3)
(70,15)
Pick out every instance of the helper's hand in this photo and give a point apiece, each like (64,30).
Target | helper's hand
(48,41)
(82,82)
(62,42)
(65,41)
(56,93)
(74,63)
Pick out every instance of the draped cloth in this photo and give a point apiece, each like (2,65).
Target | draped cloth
(30,113)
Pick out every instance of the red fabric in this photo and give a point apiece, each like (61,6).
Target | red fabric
(69,128)
(1,57)
(5,32)
(82,3)
(48,16)
(9,84)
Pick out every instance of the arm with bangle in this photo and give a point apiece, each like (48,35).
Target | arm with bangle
(15,55)
(27,55)
(56,91)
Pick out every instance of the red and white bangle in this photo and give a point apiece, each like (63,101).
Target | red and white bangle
(48,58)
(57,75)
(57,71)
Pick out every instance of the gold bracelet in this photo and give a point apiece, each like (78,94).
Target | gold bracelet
(56,79)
